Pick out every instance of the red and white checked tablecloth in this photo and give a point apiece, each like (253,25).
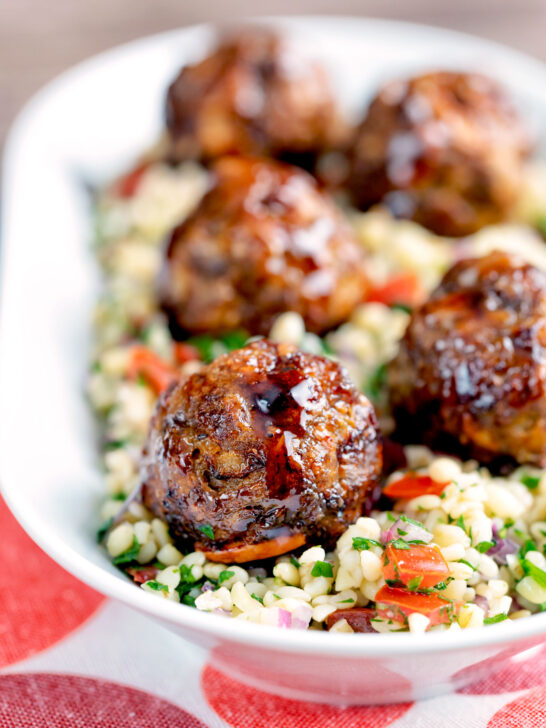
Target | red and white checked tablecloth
(70,658)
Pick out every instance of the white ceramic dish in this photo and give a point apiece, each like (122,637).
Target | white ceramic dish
(86,125)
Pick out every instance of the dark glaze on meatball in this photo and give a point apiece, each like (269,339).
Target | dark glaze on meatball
(265,443)
(263,241)
(444,149)
(472,366)
(252,95)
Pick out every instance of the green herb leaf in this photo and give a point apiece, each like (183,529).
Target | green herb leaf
(206,529)
(413,584)
(129,554)
(257,598)
(407,519)
(101,533)
(529,545)
(118,496)
(497,618)
(364,544)
(531,481)
(347,601)
(224,576)
(322,568)
(157,586)
(294,562)
(376,382)
(402,307)
(535,572)
(464,561)
(400,544)
(484,546)
(186,575)
(460,522)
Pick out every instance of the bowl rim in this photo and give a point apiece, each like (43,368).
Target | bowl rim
(117,585)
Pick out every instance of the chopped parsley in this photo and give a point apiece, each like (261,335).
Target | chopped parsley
(531,481)
(185,574)
(129,554)
(224,576)
(400,544)
(407,519)
(460,522)
(484,546)
(322,568)
(535,572)
(257,598)
(347,601)
(402,307)
(210,348)
(157,586)
(101,533)
(376,382)
(118,497)
(464,561)
(294,562)
(364,544)
(413,584)
(206,529)
(497,618)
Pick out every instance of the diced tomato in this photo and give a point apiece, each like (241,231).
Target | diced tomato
(240,553)
(417,567)
(403,288)
(145,573)
(155,371)
(127,185)
(185,352)
(412,486)
(398,604)
(359,618)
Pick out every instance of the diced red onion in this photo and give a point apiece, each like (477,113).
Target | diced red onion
(301,616)
(411,532)
(284,619)
(503,548)
(207,586)
(481,602)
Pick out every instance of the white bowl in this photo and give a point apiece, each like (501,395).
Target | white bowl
(85,126)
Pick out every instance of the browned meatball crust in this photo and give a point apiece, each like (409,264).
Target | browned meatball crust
(444,149)
(252,95)
(265,442)
(263,241)
(472,365)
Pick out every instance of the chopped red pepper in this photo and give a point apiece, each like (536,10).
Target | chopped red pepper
(402,288)
(417,567)
(412,486)
(143,574)
(154,370)
(398,604)
(359,618)
(127,185)
(185,352)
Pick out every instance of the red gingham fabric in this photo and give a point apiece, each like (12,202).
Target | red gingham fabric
(64,663)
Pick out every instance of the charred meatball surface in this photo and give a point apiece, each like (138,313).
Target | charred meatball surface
(444,149)
(472,365)
(265,443)
(253,95)
(264,240)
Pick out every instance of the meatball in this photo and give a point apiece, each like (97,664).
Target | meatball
(263,449)
(263,241)
(471,370)
(253,95)
(443,149)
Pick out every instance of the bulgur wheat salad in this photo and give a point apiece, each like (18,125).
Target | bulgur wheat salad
(432,541)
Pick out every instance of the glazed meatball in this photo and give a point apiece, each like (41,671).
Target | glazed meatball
(443,149)
(471,369)
(263,449)
(263,241)
(253,95)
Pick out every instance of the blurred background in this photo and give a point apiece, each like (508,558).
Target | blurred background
(39,38)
